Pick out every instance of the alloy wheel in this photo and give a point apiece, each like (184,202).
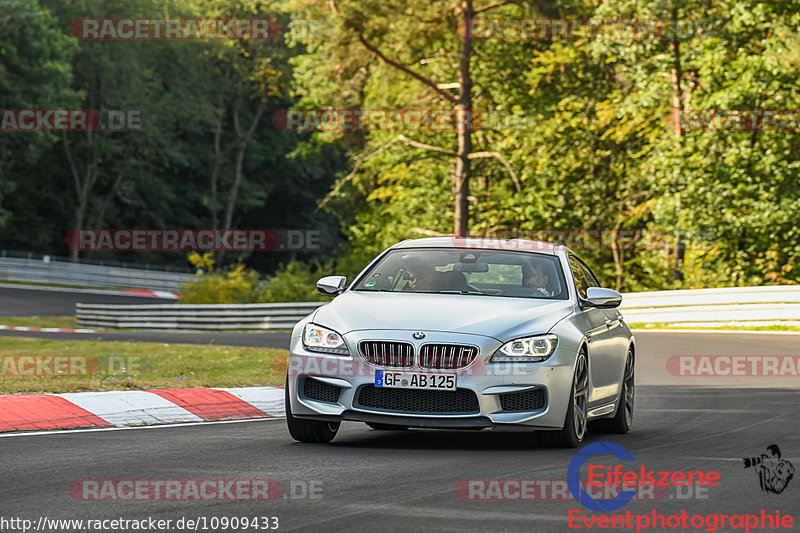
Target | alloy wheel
(629,388)
(580,397)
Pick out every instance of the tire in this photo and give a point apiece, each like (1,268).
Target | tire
(386,427)
(302,430)
(575,423)
(623,417)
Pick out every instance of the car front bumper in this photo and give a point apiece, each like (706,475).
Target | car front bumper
(494,395)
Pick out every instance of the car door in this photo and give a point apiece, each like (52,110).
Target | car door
(613,321)
(600,339)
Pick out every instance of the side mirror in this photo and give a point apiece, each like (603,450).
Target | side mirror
(331,285)
(603,298)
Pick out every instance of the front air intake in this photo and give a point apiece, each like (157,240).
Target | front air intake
(313,389)
(412,401)
(529,400)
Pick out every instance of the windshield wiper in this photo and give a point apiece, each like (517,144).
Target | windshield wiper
(465,292)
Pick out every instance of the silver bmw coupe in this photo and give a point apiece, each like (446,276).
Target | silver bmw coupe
(450,332)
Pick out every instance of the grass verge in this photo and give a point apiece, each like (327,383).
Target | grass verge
(39,321)
(103,366)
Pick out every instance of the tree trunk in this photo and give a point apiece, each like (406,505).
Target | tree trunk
(244,141)
(214,203)
(82,186)
(74,252)
(677,113)
(100,218)
(617,251)
(464,112)
(238,168)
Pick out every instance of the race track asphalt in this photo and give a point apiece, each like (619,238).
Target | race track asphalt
(27,300)
(370,480)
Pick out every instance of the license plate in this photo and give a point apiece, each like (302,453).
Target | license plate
(415,380)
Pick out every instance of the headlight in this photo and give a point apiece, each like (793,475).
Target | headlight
(319,339)
(527,350)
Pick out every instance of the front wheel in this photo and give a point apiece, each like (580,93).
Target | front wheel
(623,418)
(308,430)
(575,423)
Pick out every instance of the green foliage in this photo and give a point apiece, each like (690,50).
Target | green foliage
(602,153)
(238,286)
(181,169)
(35,71)
(296,282)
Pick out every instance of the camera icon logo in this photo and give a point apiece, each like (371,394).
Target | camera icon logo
(774,473)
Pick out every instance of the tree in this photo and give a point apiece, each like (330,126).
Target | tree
(35,72)
(365,33)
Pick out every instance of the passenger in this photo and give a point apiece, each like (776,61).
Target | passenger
(534,277)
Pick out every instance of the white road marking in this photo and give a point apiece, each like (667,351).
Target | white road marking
(268,399)
(166,294)
(126,408)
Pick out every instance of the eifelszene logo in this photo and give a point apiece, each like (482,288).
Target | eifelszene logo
(606,476)
(773,472)
(582,456)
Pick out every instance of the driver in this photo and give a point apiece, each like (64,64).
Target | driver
(420,275)
(534,277)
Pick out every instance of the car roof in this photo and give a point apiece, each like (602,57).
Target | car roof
(483,243)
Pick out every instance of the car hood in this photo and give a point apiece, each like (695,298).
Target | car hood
(500,317)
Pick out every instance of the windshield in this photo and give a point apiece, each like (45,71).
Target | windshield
(459,271)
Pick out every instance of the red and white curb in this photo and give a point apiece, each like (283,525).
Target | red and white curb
(155,294)
(137,408)
(45,330)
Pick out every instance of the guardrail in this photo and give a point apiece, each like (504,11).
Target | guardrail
(736,306)
(740,306)
(194,317)
(67,273)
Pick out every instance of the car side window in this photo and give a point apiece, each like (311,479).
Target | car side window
(589,275)
(581,281)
